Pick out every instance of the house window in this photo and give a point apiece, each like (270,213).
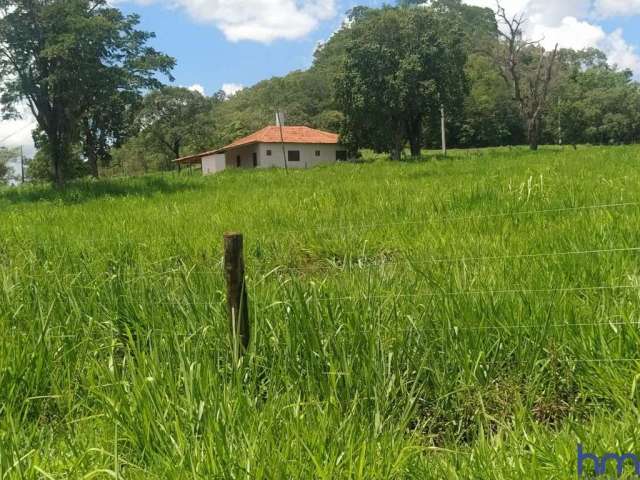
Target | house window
(268,153)
(293,155)
(341,155)
(255,159)
(238,161)
(317,153)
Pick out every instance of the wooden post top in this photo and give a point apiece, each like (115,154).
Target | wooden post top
(232,234)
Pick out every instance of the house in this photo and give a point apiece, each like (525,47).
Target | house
(299,147)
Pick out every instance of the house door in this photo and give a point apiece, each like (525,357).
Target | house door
(255,159)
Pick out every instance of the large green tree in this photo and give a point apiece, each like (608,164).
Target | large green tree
(107,125)
(66,59)
(401,65)
(174,121)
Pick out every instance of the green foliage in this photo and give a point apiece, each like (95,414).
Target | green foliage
(401,65)
(7,155)
(450,361)
(68,59)
(305,97)
(596,105)
(39,167)
(491,116)
(487,115)
(172,122)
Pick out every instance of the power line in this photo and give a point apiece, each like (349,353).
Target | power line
(21,129)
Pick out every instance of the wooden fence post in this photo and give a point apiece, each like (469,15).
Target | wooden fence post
(237,298)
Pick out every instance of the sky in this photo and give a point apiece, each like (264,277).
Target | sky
(232,44)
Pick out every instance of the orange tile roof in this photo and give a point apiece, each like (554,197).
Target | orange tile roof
(271,134)
(290,134)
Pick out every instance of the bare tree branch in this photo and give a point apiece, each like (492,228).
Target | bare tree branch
(530,83)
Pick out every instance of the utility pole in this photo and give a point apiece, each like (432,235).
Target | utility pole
(443,128)
(280,121)
(560,140)
(22,163)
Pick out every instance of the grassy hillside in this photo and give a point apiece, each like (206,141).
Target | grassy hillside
(462,318)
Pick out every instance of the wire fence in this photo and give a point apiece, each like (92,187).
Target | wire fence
(337,266)
(93,335)
(190,299)
(335,225)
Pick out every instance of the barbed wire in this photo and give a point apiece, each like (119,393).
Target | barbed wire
(467,217)
(347,266)
(452,217)
(169,334)
(410,262)
(486,292)
(288,302)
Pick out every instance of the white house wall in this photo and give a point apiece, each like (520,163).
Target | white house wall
(242,157)
(213,164)
(308,156)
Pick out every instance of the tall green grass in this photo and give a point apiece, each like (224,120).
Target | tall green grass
(400,330)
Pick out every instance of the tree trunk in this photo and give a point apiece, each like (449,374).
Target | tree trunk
(57,159)
(416,147)
(415,138)
(533,133)
(398,145)
(92,160)
(90,150)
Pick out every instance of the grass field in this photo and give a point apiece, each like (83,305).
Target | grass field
(474,317)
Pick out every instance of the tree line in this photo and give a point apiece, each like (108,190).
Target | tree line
(98,90)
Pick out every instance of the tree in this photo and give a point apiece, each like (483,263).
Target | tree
(491,116)
(173,120)
(401,65)
(593,102)
(106,125)
(65,57)
(528,69)
(6,156)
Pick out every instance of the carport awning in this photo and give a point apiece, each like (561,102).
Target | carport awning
(197,158)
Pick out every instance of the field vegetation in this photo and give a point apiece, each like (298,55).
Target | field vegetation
(469,317)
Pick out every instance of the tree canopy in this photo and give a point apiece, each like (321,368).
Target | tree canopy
(69,58)
(400,67)
(93,84)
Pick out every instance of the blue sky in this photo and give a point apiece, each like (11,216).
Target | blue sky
(236,43)
(216,61)
(209,58)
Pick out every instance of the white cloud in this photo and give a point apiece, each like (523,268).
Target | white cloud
(510,5)
(196,87)
(617,8)
(573,24)
(230,89)
(569,33)
(621,53)
(258,20)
